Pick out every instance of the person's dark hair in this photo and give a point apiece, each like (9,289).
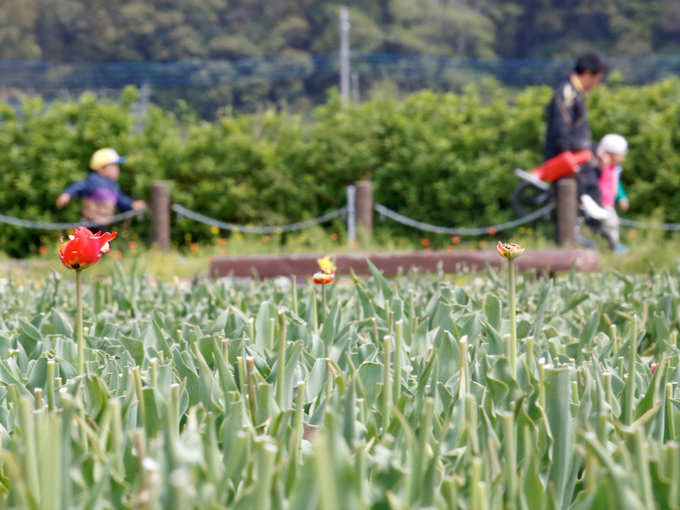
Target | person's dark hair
(590,62)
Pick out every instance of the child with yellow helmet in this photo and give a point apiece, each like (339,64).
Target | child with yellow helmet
(100,189)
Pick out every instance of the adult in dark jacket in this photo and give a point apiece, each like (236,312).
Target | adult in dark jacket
(568,128)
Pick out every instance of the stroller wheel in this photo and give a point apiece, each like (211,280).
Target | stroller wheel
(526,198)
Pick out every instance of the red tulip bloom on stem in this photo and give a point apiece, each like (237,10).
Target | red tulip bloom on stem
(323,278)
(84,248)
(327,273)
(81,251)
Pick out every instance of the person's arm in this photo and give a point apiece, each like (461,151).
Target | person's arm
(622,197)
(621,193)
(74,190)
(124,202)
(77,188)
(561,117)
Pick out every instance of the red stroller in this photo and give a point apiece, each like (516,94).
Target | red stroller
(536,191)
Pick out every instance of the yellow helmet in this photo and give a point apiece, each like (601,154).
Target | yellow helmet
(104,157)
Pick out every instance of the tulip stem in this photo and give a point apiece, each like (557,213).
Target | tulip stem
(323,303)
(513,325)
(80,339)
(281,374)
(315,314)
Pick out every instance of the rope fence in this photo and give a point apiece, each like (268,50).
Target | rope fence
(46,225)
(183,212)
(462,231)
(645,225)
(358,211)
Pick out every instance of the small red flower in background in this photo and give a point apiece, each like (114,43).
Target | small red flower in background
(132,245)
(334,236)
(42,250)
(323,278)
(194,246)
(455,239)
(491,231)
(327,273)
(425,242)
(266,239)
(84,248)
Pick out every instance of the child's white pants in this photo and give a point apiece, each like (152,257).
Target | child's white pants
(609,220)
(610,225)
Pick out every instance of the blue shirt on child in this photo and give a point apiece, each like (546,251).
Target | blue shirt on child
(100,188)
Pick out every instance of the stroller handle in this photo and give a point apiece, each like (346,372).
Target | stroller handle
(531,178)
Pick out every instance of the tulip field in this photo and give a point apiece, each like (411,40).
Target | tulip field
(375,394)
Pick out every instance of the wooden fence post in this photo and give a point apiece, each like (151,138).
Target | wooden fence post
(567,210)
(364,207)
(351,214)
(160,215)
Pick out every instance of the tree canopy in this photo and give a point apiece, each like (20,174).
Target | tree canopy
(168,30)
(247,54)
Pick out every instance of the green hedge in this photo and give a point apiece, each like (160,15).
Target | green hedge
(441,158)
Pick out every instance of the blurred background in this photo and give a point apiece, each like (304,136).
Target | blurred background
(262,113)
(250,54)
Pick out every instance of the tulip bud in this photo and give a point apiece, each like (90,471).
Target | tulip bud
(509,250)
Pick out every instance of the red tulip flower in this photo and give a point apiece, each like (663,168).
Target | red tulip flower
(327,273)
(84,248)
(322,278)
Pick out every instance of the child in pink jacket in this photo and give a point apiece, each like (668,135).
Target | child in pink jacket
(599,205)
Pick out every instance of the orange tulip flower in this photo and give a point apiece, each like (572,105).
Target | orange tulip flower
(509,250)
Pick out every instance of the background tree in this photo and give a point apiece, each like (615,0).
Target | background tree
(162,30)
(284,52)
(18,30)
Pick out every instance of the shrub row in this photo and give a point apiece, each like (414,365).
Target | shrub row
(440,158)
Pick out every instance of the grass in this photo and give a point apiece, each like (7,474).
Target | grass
(648,251)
